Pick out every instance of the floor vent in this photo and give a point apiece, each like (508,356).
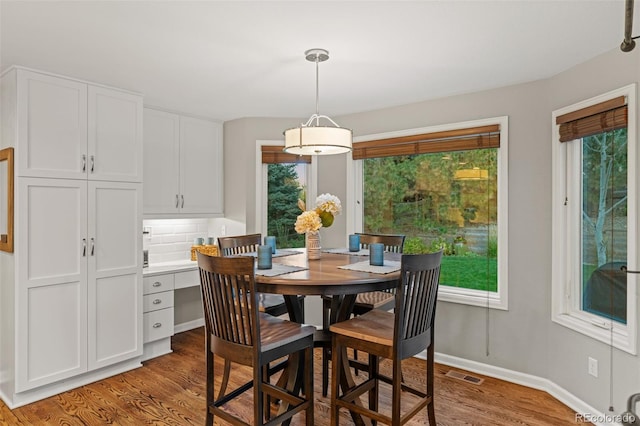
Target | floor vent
(466,377)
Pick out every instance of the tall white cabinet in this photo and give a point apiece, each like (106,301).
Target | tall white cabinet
(183,175)
(71,293)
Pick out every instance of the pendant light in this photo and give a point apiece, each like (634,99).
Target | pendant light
(313,138)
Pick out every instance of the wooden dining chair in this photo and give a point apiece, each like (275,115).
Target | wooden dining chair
(236,330)
(242,244)
(364,301)
(395,336)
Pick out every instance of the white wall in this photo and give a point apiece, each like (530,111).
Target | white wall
(523,338)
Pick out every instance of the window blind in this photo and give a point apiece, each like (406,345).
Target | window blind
(450,140)
(275,155)
(599,118)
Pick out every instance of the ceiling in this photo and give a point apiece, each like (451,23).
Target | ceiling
(234,59)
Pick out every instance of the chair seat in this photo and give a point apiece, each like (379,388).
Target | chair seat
(275,332)
(375,300)
(374,326)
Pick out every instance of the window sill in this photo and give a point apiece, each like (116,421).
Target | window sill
(599,330)
(472,297)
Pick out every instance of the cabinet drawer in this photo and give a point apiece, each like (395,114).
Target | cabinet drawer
(155,301)
(187,279)
(157,283)
(158,324)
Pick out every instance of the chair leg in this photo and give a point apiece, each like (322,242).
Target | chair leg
(308,386)
(210,386)
(225,378)
(397,389)
(431,412)
(336,367)
(258,397)
(374,392)
(267,400)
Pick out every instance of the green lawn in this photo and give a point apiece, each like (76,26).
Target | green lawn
(469,272)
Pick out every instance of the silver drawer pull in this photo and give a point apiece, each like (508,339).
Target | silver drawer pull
(157,284)
(157,325)
(157,301)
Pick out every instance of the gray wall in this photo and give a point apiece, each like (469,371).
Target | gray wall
(523,338)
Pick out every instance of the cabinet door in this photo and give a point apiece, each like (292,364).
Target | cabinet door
(161,162)
(200,166)
(115,272)
(115,135)
(51,262)
(52,126)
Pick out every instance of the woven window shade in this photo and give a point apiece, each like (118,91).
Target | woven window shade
(274,155)
(450,140)
(599,118)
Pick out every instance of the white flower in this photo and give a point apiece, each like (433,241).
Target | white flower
(329,203)
(308,221)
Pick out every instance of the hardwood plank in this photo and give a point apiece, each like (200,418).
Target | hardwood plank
(170,390)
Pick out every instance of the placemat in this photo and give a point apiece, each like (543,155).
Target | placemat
(388,267)
(285,252)
(279,269)
(279,253)
(345,250)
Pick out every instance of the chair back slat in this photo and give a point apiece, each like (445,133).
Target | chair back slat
(416,296)
(392,243)
(231,246)
(229,298)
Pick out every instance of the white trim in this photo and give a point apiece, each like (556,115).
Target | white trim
(189,325)
(524,379)
(565,307)
(261,184)
(16,400)
(499,300)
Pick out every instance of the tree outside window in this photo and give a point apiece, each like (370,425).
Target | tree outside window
(286,184)
(445,200)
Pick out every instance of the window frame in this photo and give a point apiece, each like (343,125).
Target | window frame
(566,233)
(498,300)
(262,170)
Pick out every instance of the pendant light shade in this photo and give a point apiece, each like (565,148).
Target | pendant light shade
(314,137)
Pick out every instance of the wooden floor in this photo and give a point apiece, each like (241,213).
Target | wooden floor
(169,390)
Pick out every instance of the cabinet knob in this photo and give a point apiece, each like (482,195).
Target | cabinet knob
(92,163)
(84,163)
(157,284)
(157,325)
(157,301)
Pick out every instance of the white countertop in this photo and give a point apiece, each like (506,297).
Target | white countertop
(168,267)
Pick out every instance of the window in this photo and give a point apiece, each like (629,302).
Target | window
(444,188)
(282,179)
(594,207)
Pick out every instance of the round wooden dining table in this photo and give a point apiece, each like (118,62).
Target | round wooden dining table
(324,277)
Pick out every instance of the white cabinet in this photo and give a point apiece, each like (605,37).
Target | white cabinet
(71,129)
(51,260)
(158,307)
(71,293)
(79,268)
(183,158)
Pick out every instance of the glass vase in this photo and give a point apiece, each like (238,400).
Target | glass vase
(312,243)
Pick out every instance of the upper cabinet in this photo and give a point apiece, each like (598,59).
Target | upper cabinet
(183,175)
(71,129)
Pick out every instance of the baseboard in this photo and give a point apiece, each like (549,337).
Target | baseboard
(535,382)
(189,325)
(42,392)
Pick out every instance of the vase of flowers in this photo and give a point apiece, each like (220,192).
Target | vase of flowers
(309,222)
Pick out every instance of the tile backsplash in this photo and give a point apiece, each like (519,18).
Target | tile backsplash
(171,239)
